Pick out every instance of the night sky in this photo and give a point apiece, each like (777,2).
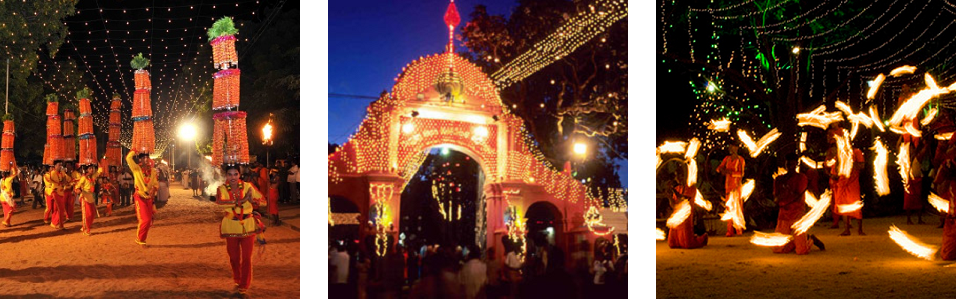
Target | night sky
(370,42)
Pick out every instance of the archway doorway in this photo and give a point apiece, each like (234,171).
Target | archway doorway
(442,202)
(545,227)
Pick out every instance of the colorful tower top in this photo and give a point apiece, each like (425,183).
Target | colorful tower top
(451,19)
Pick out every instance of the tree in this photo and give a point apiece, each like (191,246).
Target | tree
(582,96)
(28,31)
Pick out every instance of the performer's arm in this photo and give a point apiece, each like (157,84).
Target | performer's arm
(132,163)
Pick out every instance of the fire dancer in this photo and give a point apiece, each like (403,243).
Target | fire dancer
(846,190)
(789,189)
(6,198)
(732,167)
(240,225)
(55,181)
(84,189)
(682,236)
(913,192)
(945,177)
(146,188)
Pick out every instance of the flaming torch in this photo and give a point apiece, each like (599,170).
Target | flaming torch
(939,203)
(773,239)
(912,245)
(879,168)
(875,86)
(681,212)
(660,234)
(808,219)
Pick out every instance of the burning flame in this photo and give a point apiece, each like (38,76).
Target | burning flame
(844,107)
(903,70)
(810,199)
(735,211)
(845,157)
(692,148)
(699,200)
(903,160)
(691,172)
(881,181)
(811,217)
(780,171)
(850,208)
(803,142)
(681,213)
(774,239)
(672,147)
(944,136)
(876,86)
(876,118)
(912,106)
(930,83)
(818,118)
(267,132)
(722,125)
(913,131)
(757,147)
(809,162)
(912,245)
(929,117)
(660,234)
(939,203)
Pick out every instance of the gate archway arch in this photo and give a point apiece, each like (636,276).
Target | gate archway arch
(444,99)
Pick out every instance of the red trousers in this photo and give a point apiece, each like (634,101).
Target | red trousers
(144,213)
(89,214)
(7,212)
(70,201)
(240,258)
(50,207)
(59,209)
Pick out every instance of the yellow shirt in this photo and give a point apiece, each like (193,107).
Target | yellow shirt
(87,186)
(144,184)
(54,181)
(238,221)
(6,186)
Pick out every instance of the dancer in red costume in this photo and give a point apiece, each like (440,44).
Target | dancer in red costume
(55,181)
(85,188)
(106,193)
(147,186)
(683,235)
(274,197)
(239,226)
(732,167)
(6,198)
(945,181)
(789,190)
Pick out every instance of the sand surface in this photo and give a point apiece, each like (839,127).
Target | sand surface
(870,266)
(185,257)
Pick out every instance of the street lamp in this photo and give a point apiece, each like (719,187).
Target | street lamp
(267,137)
(187,131)
(580,148)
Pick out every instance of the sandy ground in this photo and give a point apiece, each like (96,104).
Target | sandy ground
(185,257)
(870,266)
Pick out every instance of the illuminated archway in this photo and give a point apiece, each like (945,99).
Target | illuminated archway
(445,100)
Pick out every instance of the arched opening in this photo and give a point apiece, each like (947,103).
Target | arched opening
(442,202)
(344,225)
(544,225)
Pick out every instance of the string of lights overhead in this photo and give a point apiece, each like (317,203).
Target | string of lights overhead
(103,37)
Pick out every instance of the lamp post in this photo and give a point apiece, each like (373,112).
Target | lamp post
(187,131)
(267,137)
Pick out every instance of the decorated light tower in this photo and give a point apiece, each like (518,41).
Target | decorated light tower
(69,129)
(114,154)
(53,150)
(6,143)
(229,141)
(144,139)
(85,132)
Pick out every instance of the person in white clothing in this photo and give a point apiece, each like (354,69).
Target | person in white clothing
(339,271)
(473,275)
